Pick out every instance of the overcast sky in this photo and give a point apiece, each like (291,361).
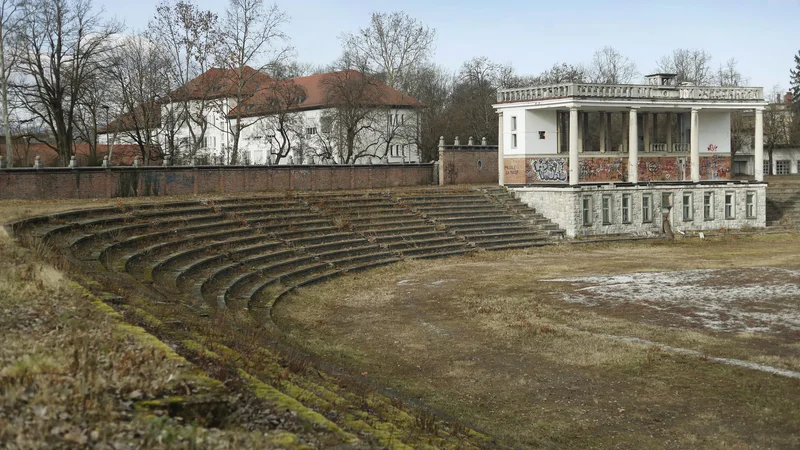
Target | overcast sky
(534,34)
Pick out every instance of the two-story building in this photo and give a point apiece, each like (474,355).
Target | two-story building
(608,159)
(330,118)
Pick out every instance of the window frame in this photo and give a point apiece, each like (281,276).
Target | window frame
(606,204)
(625,208)
(783,167)
(647,211)
(751,200)
(687,207)
(730,206)
(708,205)
(586,210)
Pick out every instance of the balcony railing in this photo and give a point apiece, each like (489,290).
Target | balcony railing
(632,91)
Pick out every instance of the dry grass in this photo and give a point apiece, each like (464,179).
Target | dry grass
(483,339)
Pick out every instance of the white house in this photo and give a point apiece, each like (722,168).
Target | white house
(608,159)
(331,118)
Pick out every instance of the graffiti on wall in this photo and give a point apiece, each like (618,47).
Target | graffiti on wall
(514,170)
(660,169)
(603,169)
(712,148)
(715,167)
(548,169)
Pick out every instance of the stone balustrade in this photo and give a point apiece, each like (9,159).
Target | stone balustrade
(631,91)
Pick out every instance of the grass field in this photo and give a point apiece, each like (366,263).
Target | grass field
(581,346)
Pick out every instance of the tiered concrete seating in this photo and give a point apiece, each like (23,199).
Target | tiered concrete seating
(246,253)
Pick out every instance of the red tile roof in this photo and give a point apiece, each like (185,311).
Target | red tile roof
(313,89)
(220,83)
(123,154)
(135,120)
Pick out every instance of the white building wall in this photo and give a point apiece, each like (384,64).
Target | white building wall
(538,121)
(715,132)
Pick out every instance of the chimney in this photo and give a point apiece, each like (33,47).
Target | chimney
(778,99)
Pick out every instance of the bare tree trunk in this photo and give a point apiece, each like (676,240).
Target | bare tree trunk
(4,88)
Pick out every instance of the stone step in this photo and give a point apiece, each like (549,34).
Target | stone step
(421,243)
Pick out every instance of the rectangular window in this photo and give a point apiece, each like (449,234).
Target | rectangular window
(782,167)
(310,131)
(766,167)
(326,123)
(647,208)
(513,123)
(587,210)
(513,140)
(402,119)
(626,208)
(607,217)
(688,210)
(708,206)
(730,205)
(750,205)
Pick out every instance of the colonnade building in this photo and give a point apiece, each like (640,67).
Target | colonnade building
(610,159)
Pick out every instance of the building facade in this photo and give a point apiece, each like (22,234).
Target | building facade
(625,153)
(331,118)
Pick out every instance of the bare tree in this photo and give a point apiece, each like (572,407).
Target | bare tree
(9,20)
(609,66)
(777,125)
(560,73)
(282,125)
(474,93)
(393,45)
(66,44)
(187,35)
(690,66)
(250,32)
(88,112)
(433,86)
(356,101)
(140,75)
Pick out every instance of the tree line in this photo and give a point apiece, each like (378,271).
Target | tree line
(68,71)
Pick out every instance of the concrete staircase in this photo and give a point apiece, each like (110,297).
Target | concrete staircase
(783,202)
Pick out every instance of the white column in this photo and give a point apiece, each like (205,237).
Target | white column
(602,132)
(579,126)
(574,166)
(633,147)
(694,146)
(501,169)
(759,145)
(669,131)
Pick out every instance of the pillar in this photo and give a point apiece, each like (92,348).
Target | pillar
(647,124)
(669,131)
(579,126)
(655,129)
(501,168)
(759,145)
(624,120)
(633,147)
(694,146)
(574,165)
(603,132)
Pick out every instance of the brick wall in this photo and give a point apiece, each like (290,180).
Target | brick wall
(95,182)
(612,168)
(468,164)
